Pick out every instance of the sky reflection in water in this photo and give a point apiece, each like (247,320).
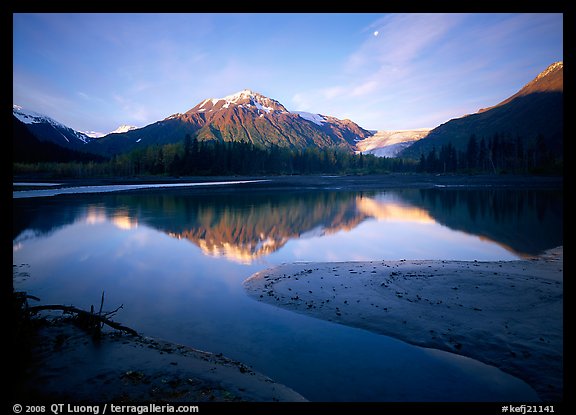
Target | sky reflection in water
(177,261)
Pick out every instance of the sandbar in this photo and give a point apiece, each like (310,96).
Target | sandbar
(508,314)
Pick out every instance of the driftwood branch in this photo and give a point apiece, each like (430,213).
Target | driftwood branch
(84,314)
(100,312)
(111,313)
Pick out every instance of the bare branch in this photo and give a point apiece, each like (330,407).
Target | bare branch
(83,313)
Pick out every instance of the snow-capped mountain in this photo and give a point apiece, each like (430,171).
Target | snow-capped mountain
(124,128)
(245,98)
(121,129)
(93,134)
(45,128)
(248,116)
(244,116)
(390,143)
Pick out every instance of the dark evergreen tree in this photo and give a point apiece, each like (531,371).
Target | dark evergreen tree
(472,153)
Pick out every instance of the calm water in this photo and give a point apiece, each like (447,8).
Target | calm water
(176,260)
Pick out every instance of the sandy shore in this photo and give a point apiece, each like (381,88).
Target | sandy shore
(70,366)
(508,314)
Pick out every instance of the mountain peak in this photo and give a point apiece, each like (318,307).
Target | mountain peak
(31,117)
(551,68)
(550,79)
(123,129)
(246,98)
(535,110)
(59,131)
(245,93)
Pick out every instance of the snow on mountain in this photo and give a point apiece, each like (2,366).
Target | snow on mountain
(33,118)
(123,129)
(315,118)
(554,67)
(260,101)
(245,116)
(246,98)
(241,96)
(390,143)
(93,134)
(389,151)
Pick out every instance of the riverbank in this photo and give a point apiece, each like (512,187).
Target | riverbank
(66,364)
(349,182)
(508,314)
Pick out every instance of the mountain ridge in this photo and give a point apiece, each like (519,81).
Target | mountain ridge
(250,117)
(545,81)
(46,128)
(243,116)
(535,110)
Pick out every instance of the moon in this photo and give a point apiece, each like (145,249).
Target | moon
(376,33)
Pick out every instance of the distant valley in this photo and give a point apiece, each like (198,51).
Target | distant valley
(390,143)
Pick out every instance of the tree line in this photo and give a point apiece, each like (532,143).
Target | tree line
(192,157)
(498,154)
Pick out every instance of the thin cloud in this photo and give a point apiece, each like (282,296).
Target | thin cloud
(427,61)
(137,112)
(382,62)
(402,38)
(365,88)
(139,68)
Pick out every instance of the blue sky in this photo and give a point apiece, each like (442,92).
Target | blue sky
(94,72)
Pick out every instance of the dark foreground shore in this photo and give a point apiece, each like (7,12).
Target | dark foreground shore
(66,364)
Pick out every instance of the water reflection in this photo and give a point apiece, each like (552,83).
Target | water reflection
(250,225)
(120,218)
(176,260)
(389,207)
(526,221)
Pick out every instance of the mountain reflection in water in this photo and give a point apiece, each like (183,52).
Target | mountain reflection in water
(249,225)
(176,260)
